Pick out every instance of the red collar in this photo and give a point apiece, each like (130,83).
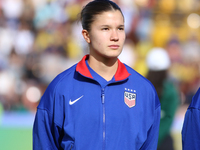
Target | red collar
(121,73)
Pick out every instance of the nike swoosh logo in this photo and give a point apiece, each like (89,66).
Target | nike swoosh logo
(72,102)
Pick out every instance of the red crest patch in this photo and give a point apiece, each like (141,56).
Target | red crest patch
(130,99)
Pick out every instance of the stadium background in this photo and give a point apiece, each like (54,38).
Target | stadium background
(41,38)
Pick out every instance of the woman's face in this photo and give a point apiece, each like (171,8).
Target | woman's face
(106,37)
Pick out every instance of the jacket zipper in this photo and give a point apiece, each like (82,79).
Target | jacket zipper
(104,120)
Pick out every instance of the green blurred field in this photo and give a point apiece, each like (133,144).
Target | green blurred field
(21,139)
(16,130)
(15,138)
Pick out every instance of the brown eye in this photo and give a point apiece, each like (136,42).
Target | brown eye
(105,29)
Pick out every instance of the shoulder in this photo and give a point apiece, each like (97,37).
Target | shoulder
(195,104)
(144,86)
(140,79)
(62,78)
(57,87)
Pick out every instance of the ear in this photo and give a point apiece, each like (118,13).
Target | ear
(86,36)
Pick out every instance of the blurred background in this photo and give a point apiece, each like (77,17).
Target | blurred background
(41,38)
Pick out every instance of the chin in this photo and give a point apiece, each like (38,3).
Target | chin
(112,56)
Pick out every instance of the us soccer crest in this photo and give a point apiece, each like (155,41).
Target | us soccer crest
(129,99)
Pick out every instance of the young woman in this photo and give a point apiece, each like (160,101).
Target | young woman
(99,103)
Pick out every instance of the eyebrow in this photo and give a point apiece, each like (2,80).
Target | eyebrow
(109,26)
(121,25)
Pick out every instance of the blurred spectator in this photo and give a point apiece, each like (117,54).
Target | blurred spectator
(12,10)
(1,111)
(24,39)
(6,40)
(158,63)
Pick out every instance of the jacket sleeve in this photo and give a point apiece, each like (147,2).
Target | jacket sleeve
(191,130)
(47,128)
(152,135)
(46,135)
(153,132)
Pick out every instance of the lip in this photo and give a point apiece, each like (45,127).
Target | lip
(114,46)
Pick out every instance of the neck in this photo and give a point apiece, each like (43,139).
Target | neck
(106,68)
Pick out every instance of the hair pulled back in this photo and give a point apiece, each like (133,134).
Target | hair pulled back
(94,8)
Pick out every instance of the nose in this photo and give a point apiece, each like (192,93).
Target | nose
(114,36)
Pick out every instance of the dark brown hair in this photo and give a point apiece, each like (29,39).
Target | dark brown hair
(94,8)
(157,78)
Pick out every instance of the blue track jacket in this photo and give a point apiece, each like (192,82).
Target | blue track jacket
(78,113)
(191,126)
